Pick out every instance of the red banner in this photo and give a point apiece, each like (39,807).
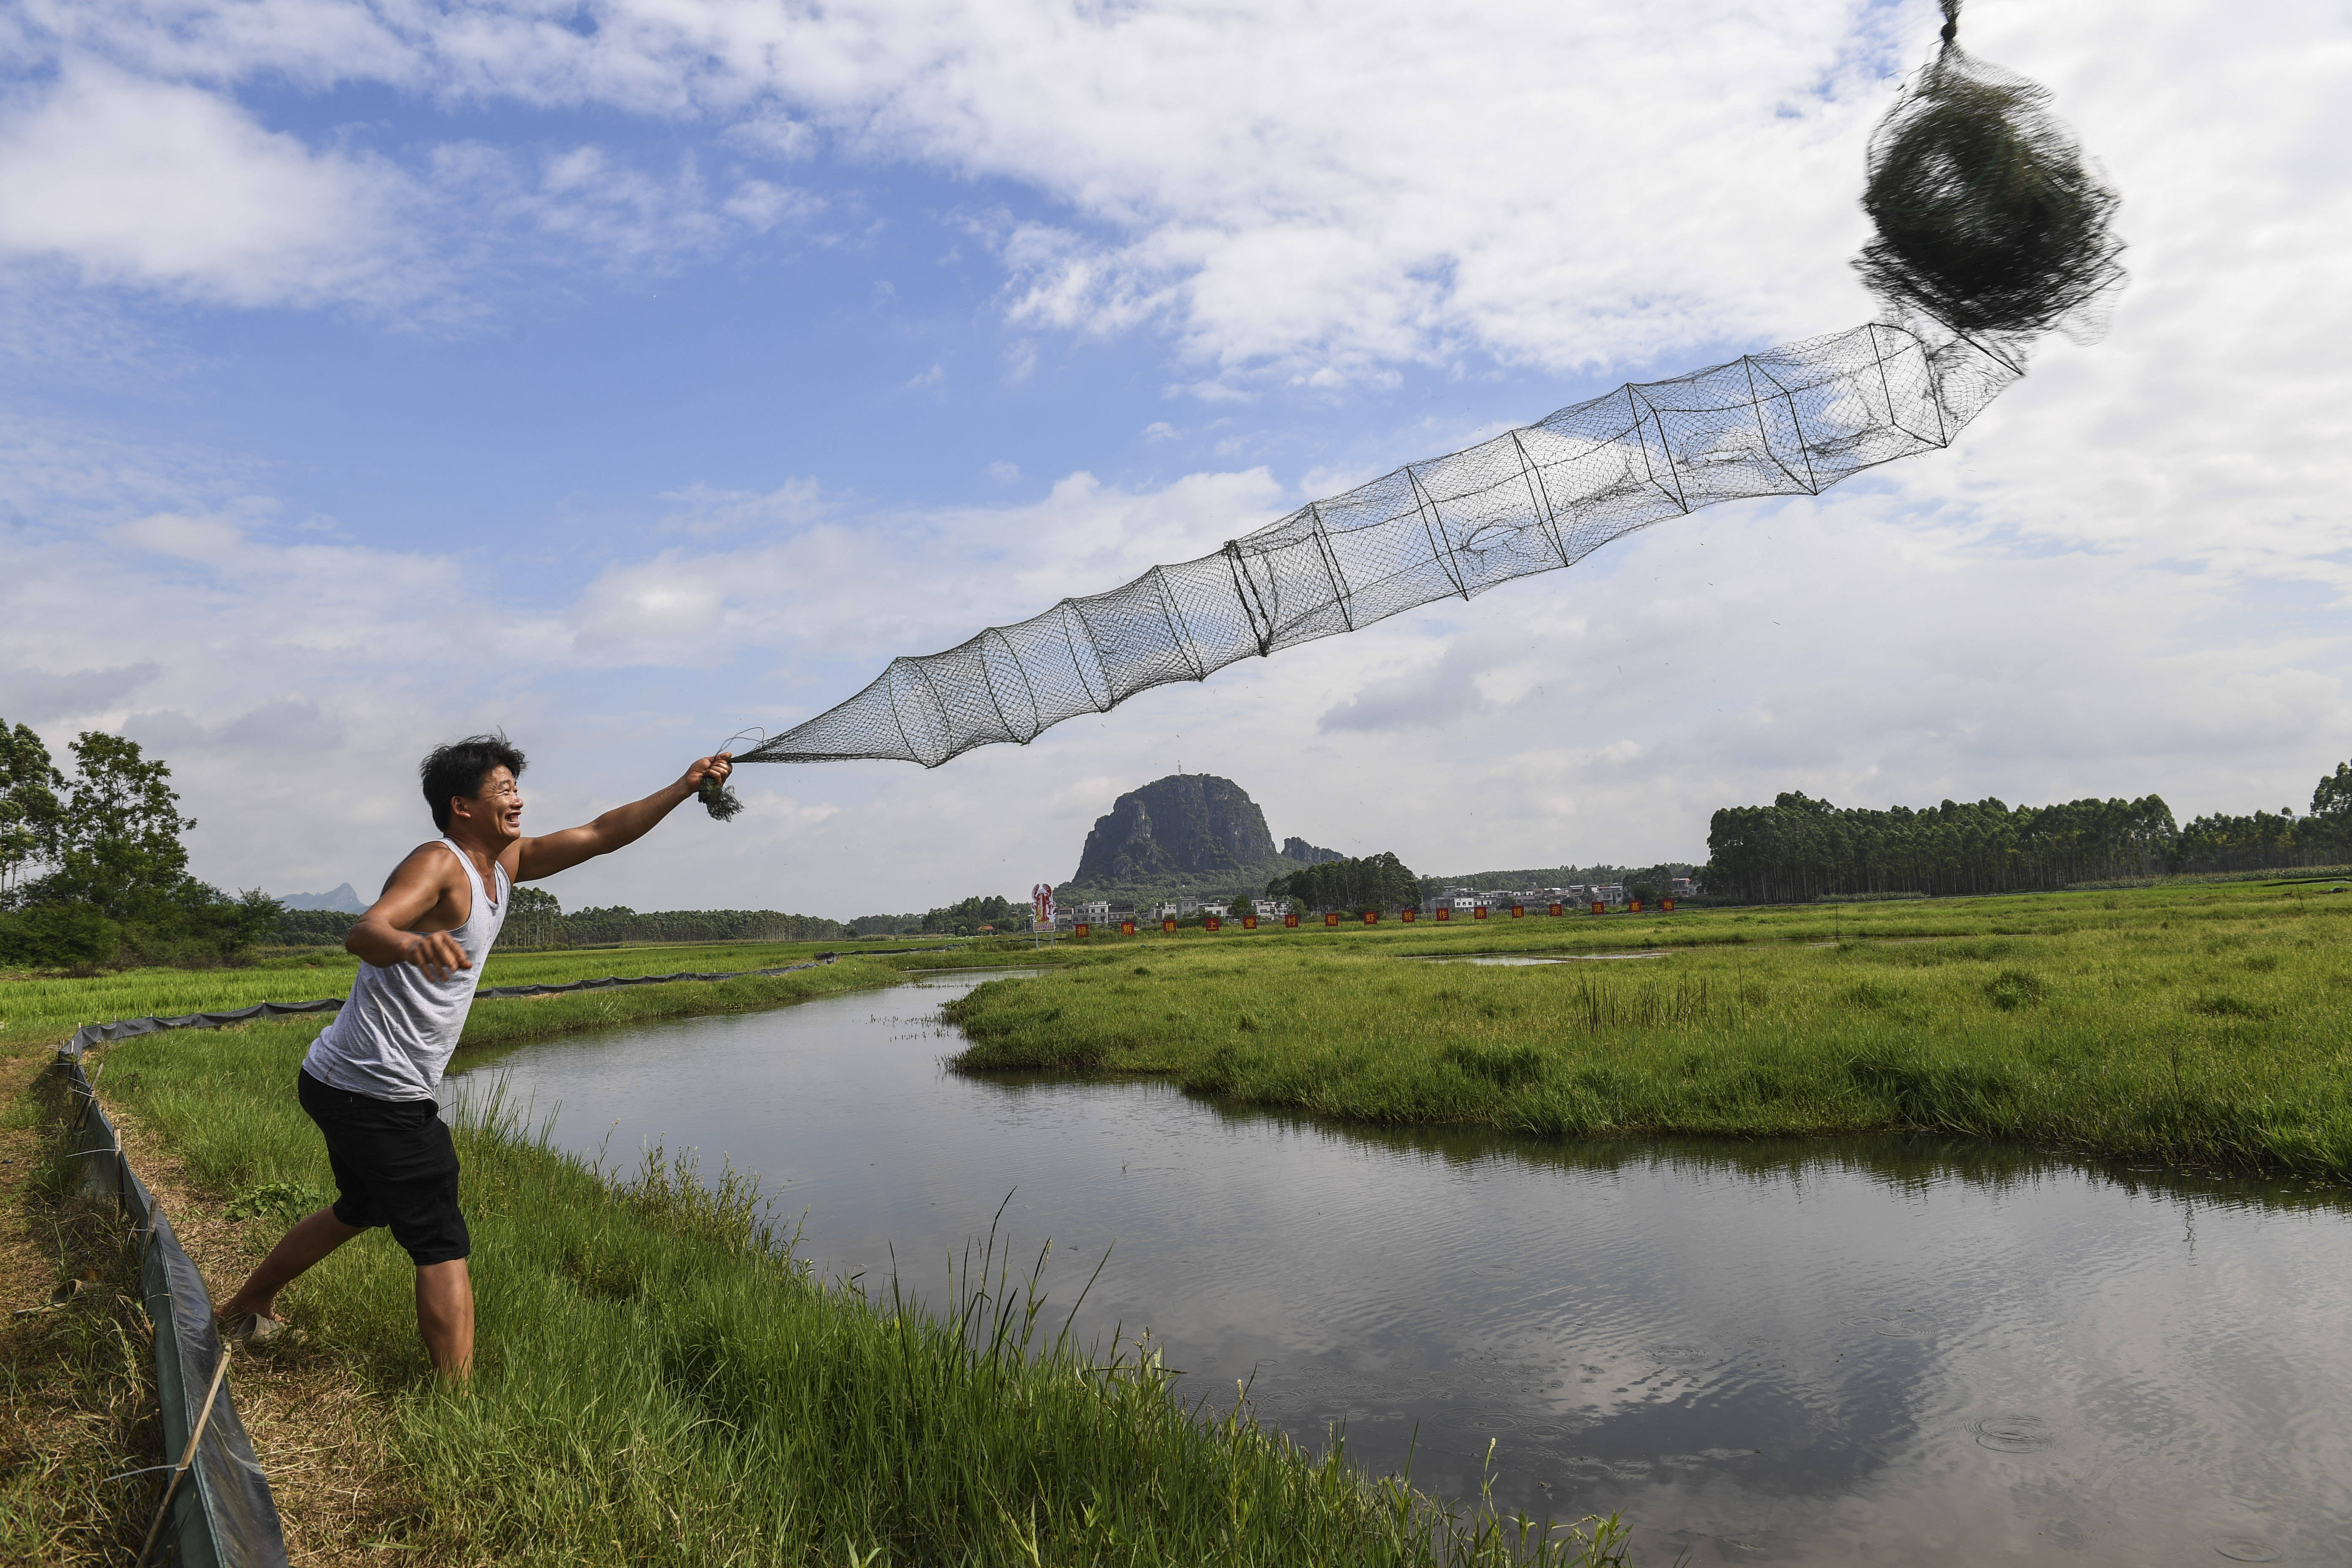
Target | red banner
(1406,915)
(1126,928)
(1372,917)
(1667,905)
(1210,923)
(1599,908)
(1331,920)
(1557,910)
(1167,926)
(1445,911)
(1290,920)
(1479,913)
(1518,912)
(1249,923)
(1083,930)
(1633,906)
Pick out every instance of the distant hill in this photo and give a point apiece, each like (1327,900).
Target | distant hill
(343,900)
(1188,834)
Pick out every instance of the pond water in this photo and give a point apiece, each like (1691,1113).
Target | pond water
(1870,1350)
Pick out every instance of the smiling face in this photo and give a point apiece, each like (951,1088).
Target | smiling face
(493,811)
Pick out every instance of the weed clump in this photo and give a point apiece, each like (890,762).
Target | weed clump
(1506,1066)
(2014,988)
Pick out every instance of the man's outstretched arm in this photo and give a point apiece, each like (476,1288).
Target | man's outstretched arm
(554,852)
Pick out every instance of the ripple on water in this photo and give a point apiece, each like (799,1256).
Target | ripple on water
(1676,1355)
(2248,1549)
(2011,1434)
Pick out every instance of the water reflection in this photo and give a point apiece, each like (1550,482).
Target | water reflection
(1866,1350)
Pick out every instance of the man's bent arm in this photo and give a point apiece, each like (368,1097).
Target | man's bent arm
(623,825)
(382,936)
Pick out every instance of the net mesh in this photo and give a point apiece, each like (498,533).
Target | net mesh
(1790,422)
(1991,229)
(1989,219)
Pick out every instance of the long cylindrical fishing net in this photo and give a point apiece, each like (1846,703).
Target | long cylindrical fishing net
(1990,231)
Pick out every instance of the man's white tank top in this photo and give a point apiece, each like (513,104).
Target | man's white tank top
(398,1028)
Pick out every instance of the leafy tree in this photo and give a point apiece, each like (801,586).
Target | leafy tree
(313,928)
(30,810)
(118,885)
(2333,798)
(2330,822)
(534,919)
(1375,882)
(59,936)
(118,846)
(1241,907)
(966,917)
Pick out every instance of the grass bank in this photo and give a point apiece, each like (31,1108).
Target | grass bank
(2209,1025)
(660,1383)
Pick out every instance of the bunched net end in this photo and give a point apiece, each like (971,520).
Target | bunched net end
(1988,218)
(719,799)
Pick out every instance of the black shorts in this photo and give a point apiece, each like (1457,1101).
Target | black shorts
(394,1166)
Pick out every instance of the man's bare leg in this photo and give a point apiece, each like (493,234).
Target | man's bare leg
(444,1315)
(312,1237)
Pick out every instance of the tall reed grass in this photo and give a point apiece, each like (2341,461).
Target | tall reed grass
(662,1382)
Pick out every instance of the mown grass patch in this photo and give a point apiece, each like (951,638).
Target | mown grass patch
(2205,1027)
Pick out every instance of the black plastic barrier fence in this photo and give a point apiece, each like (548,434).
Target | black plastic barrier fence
(223,1515)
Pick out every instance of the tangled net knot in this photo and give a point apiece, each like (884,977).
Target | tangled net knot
(1988,218)
(1991,230)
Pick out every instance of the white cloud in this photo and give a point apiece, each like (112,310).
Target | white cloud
(177,189)
(922,578)
(1322,190)
(760,206)
(2128,576)
(699,510)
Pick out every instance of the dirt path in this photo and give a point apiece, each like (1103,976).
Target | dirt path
(78,1406)
(76,1380)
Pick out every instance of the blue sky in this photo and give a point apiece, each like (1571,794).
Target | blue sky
(628,373)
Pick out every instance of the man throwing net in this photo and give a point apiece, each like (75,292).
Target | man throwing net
(370,1076)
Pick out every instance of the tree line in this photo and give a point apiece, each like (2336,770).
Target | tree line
(1799,848)
(1367,882)
(965,917)
(1647,883)
(536,918)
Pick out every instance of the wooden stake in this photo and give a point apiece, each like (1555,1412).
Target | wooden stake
(187,1457)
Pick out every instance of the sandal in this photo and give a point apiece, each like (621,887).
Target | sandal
(253,1328)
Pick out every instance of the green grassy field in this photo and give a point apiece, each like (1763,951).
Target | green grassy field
(2207,1025)
(660,1383)
(37,1012)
